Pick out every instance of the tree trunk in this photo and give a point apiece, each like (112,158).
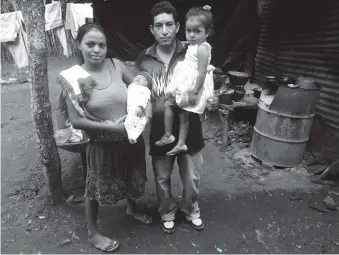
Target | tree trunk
(34,16)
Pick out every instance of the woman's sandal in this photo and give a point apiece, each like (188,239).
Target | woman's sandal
(110,246)
(196,227)
(167,230)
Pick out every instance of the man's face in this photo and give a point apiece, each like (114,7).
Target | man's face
(164,29)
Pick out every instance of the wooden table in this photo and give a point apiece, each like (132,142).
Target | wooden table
(248,102)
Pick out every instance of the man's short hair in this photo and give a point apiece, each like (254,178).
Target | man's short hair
(164,7)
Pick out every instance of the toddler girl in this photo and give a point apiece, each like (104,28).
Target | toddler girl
(191,84)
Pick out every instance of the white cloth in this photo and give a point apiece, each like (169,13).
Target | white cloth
(53,17)
(72,75)
(76,15)
(9,26)
(60,31)
(69,20)
(184,78)
(11,32)
(53,20)
(137,96)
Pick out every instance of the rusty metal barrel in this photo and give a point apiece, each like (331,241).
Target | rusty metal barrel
(282,128)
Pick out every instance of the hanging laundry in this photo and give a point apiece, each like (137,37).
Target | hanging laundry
(83,11)
(53,17)
(70,20)
(9,26)
(60,31)
(53,20)
(76,15)
(12,33)
(23,28)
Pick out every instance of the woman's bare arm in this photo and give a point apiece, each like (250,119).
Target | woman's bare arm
(79,122)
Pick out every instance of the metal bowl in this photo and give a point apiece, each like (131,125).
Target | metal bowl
(238,78)
(239,94)
(226,98)
(257,92)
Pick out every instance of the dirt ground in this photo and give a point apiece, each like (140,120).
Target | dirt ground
(246,208)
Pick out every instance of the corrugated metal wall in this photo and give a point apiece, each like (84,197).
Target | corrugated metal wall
(302,42)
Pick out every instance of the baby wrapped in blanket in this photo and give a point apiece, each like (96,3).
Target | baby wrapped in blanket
(138,96)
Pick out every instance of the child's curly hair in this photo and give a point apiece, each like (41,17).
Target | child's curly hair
(205,14)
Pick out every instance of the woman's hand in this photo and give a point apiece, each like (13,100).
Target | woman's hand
(118,125)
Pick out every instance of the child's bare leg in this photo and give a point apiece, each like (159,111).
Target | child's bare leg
(168,121)
(183,130)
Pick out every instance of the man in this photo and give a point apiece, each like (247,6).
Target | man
(159,61)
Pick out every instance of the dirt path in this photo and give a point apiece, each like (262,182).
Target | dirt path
(246,209)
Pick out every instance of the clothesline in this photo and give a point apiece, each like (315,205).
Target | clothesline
(12,31)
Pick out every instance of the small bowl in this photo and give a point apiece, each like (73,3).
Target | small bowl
(226,98)
(306,83)
(239,94)
(218,78)
(272,84)
(238,78)
(257,92)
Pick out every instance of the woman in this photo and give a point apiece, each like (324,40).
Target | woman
(116,168)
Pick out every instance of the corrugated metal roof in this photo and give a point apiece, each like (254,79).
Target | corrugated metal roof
(313,53)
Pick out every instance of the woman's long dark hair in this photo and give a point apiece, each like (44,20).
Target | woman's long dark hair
(83,30)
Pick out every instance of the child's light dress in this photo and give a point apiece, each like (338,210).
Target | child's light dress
(184,78)
(137,95)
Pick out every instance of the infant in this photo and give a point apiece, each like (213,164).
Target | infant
(138,96)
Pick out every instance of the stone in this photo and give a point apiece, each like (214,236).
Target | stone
(333,193)
(253,175)
(264,172)
(262,181)
(315,206)
(316,169)
(75,236)
(65,242)
(241,145)
(267,166)
(297,195)
(246,139)
(324,182)
(330,204)
(70,199)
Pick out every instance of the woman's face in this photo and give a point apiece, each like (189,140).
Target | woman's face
(93,47)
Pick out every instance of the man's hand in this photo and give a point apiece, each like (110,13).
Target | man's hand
(168,96)
(192,97)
